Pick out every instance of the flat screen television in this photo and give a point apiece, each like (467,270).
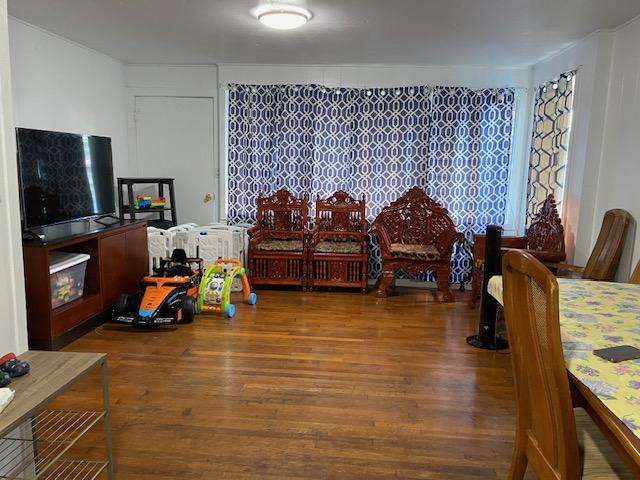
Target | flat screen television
(63,176)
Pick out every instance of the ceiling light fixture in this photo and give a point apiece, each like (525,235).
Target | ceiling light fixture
(282,17)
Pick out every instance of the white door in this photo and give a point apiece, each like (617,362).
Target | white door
(174,138)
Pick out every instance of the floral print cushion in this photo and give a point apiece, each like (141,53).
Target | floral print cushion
(596,315)
(280,245)
(336,246)
(415,252)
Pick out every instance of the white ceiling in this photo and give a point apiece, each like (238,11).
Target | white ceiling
(415,32)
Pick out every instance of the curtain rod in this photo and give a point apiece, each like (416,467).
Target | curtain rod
(227,86)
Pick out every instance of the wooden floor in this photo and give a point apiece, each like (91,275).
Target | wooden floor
(316,385)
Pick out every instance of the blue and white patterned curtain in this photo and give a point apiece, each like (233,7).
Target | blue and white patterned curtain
(453,142)
(553,113)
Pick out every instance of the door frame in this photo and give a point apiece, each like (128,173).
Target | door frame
(132,128)
(14,323)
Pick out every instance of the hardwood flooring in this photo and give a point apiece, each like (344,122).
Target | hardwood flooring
(308,386)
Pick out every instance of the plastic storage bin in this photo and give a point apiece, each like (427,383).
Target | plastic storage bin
(67,276)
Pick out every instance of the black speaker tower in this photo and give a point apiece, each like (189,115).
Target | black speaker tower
(486,337)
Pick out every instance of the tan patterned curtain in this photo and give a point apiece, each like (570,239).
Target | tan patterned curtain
(550,142)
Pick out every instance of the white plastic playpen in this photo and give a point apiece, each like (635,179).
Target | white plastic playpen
(210,242)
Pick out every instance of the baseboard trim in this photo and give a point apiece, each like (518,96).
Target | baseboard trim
(408,283)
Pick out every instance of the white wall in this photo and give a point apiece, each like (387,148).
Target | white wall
(13,320)
(619,171)
(60,85)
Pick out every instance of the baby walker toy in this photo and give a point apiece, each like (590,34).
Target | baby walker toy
(214,294)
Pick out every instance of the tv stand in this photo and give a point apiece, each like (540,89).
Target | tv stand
(31,235)
(118,261)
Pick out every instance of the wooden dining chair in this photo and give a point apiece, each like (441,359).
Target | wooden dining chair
(546,433)
(605,256)
(635,276)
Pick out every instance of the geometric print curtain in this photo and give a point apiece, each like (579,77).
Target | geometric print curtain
(550,142)
(453,142)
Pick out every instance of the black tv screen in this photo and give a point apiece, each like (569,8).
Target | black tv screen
(64,176)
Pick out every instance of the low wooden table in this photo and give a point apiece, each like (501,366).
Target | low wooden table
(596,315)
(33,440)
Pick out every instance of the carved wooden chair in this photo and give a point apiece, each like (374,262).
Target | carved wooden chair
(605,256)
(338,243)
(278,243)
(548,429)
(544,240)
(416,235)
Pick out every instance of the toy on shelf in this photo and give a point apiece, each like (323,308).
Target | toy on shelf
(214,294)
(159,202)
(145,202)
(63,290)
(141,202)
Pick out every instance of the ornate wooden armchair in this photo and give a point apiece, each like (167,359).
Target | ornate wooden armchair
(278,243)
(544,240)
(338,243)
(416,234)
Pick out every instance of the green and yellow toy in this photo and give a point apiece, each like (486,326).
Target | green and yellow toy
(214,294)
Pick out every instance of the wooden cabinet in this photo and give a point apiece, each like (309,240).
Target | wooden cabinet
(125,257)
(118,261)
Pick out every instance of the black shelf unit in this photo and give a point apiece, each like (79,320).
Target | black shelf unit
(127,209)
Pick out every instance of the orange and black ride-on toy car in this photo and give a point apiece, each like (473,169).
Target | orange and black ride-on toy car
(169,295)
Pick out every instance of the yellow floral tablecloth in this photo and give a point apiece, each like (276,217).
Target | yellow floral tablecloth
(597,315)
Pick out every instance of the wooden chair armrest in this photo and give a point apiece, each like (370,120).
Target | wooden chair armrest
(314,236)
(253,230)
(383,239)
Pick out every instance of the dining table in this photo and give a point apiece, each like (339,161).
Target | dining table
(596,315)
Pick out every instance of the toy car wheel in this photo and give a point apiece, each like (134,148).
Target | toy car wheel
(188,309)
(230,310)
(253,298)
(121,307)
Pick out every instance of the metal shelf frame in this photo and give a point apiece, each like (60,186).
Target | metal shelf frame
(46,438)
(129,209)
(36,442)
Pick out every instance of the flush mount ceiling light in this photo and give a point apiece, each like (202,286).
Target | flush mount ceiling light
(282,17)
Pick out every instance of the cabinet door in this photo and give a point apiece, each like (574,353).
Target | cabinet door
(137,258)
(113,261)
(124,261)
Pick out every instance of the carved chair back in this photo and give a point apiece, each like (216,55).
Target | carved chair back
(546,232)
(605,256)
(341,213)
(416,219)
(283,212)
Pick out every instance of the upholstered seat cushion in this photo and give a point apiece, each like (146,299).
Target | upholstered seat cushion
(415,252)
(280,245)
(337,246)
